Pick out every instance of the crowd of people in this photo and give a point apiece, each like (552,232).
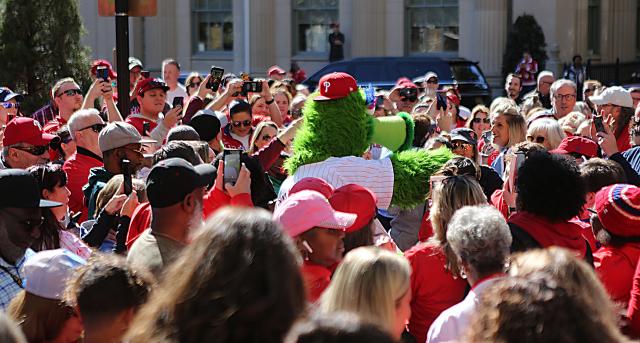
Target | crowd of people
(123,227)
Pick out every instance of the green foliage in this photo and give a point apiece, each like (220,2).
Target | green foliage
(333,128)
(412,170)
(525,35)
(40,44)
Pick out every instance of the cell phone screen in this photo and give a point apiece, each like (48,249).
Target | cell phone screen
(231,166)
(215,78)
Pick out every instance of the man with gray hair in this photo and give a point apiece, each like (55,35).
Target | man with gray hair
(84,127)
(480,238)
(545,80)
(564,95)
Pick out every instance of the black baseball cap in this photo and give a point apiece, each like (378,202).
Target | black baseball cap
(207,124)
(20,189)
(171,180)
(464,134)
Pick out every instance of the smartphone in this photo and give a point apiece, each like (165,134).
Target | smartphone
(251,87)
(409,93)
(380,101)
(486,137)
(441,100)
(177,101)
(231,165)
(146,128)
(515,162)
(215,79)
(597,121)
(146,74)
(125,166)
(102,73)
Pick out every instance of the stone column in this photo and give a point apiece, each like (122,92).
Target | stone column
(483,37)
(394,28)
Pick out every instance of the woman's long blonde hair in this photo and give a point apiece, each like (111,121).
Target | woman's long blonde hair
(40,319)
(257,132)
(448,196)
(370,282)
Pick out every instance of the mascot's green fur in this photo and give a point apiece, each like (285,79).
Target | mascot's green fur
(342,127)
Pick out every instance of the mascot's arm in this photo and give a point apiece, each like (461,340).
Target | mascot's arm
(412,170)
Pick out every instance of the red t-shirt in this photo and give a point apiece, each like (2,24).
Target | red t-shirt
(77,168)
(138,123)
(615,267)
(433,288)
(316,280)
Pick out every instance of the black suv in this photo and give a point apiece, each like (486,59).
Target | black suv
(383,72)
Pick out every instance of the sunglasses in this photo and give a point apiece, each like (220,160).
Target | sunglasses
(242,123)
(32,223)
(266,137)
(537,139)
(432,81)
(70,92)
(34,150)
(194,85)
(10,105)
(563,97)
(460,145)
(483,120)
(95,127)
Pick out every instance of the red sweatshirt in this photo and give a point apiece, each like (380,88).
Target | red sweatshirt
(77,168)
(433,288)
(316,280)
(615,267)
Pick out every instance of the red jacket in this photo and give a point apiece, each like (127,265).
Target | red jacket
(54,125)
(615,267)
(633,311)
(77,168)
(563,234)
(433,288)
(316,280)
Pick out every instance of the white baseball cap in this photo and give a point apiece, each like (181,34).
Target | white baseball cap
(615,95)
(46,273)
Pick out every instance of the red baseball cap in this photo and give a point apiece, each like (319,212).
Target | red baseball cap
(312,184)
(103,63)
(336,86)
(26,130)
(618,208)
(306,210)
(275,70)
(453,98)
(149,84)
(577,144)
(356,199)
(402,80)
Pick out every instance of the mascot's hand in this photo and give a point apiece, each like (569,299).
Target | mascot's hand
(393,132)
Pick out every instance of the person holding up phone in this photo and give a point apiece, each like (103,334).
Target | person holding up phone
(102,91)
(151,95)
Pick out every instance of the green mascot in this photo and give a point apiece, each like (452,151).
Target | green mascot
(337,131)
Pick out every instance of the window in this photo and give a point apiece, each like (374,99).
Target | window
(432,25)
(212,25)
(593,27)
(311,25)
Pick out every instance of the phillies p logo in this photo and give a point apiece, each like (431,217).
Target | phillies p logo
(326,85)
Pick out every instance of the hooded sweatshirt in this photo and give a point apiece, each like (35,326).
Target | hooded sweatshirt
(98,178)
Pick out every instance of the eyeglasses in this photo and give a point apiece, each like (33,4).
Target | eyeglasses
(537,139)
(481,120)
(95,127)
(266,137)
(11,105)
(139,150)
(33,150)
(242,123)
(70,92)
(563,97)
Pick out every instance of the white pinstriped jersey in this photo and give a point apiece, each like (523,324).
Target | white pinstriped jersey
(377,175)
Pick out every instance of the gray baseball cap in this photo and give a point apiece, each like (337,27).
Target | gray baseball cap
(118,134)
